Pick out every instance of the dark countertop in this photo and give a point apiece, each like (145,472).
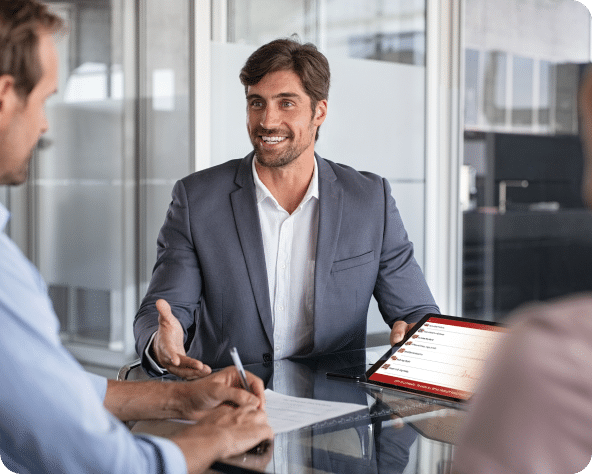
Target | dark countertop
(564,224)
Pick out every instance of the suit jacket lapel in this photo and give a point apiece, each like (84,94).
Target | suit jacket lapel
(330,209)
(246,218)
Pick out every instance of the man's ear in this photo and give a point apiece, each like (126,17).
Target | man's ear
(320,112)
(8,98)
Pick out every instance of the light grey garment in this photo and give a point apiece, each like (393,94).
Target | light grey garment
(532,413)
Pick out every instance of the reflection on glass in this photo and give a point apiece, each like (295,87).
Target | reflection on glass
(383,31)
(522,90)
(259,21)
(374,29)
(119,133)
(537,249)
(165,121)
(93,82)
(79,184)
(546,85)
(471,87)
(494,105)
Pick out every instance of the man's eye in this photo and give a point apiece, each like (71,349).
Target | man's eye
(256,103)
(287,104)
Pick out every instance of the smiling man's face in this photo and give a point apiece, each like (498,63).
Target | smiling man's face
(280,121)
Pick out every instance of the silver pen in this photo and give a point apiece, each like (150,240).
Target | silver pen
(239,367)
(265,444)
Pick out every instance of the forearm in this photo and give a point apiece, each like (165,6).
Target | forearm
(144,400)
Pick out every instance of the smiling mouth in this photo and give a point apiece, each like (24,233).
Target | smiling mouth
(272,140)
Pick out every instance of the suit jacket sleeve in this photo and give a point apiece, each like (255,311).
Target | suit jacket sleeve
(176,276)
(401,289)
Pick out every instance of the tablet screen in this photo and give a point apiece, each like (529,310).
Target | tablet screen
(442,356)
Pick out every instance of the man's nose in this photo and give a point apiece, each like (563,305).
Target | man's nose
(270,118)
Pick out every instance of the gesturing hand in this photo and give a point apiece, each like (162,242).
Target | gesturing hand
(168,346)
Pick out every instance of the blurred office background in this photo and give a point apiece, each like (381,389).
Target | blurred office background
(468,107)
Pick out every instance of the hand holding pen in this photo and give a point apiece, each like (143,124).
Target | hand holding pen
(248,381)
(264,445)
(240,369)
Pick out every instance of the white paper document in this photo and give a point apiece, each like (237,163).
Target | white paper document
(286,413)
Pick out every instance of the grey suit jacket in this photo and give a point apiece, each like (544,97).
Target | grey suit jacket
(211,265)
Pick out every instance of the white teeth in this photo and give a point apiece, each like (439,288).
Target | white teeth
(273,139)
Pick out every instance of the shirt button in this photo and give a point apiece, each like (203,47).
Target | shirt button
(280,308)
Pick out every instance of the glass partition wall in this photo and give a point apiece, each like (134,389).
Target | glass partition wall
(100,183)
(527,235)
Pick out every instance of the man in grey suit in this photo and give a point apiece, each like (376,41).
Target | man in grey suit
(277,253)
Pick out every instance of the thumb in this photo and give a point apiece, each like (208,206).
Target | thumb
(398,332)
(167,325)
(164,311)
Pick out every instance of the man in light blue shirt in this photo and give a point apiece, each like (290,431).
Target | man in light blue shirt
(55,417)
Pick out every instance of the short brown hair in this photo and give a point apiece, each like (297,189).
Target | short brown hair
(289,54)
(20,22)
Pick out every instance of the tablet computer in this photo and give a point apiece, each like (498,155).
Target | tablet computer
(440,357)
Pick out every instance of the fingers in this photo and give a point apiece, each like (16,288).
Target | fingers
(198,368)
(222,432)
(257,388)
(229,378)
(189,368)
(247,425)
(397,422)
(240,397)
(400,328)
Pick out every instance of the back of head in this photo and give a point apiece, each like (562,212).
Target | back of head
(289,54)
(20,23)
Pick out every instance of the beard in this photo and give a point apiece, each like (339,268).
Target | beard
(279,158)
(19,176)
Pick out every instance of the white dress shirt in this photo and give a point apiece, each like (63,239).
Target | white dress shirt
(290,244)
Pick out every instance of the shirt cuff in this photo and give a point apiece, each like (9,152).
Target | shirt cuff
(171,457)
(153,364)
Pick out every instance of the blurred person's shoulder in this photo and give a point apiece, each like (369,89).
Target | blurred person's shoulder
(567,314)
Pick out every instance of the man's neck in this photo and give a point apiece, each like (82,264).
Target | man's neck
(288,184)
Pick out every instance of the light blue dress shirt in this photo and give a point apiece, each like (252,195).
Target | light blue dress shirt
(52,417)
